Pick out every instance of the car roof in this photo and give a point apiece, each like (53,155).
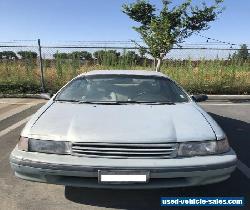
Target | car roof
(124,72)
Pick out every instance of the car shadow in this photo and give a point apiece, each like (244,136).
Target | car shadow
(239,101)
(238,133)
(238,185)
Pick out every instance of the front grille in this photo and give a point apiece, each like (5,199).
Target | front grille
(116,150)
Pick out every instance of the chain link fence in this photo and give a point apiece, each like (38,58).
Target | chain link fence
(32,68)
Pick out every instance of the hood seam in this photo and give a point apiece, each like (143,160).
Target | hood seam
(41,115)
(207,122)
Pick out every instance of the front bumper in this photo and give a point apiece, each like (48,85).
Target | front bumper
(83,172)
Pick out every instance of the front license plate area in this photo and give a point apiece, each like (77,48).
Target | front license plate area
(122,176)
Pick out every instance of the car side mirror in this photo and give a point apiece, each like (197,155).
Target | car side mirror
(199,98)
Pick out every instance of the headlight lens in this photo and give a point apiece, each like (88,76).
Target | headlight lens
(43,146)
(23,143)
(55,147)
(203,148)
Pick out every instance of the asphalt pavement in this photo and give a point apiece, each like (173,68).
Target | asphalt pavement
(234,118)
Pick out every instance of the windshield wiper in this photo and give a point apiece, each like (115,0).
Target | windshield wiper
(101,102)
(161,103)
(147,102)
(119,102)
(128,102)
(89,102)
(66,100)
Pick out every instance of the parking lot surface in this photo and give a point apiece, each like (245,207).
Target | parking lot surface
(233,117)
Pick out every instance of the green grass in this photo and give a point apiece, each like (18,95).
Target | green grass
(210,77)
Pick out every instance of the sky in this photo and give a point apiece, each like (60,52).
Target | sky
(102,20)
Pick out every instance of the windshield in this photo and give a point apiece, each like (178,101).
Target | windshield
(122,88)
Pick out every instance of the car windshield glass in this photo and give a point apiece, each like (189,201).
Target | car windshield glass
(122,89)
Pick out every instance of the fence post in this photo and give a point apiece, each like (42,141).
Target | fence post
(41,66)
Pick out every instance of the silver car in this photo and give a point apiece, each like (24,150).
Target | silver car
(123,129)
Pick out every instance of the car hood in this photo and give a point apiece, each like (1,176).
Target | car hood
(122,123)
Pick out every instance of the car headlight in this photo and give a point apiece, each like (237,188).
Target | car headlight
(203,148)
(23,143)
(44,146)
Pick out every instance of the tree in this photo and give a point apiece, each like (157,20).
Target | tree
(131,57)
(8,55)
(161,31)
(142,52)
(27,54)
(61,55)
(242,53)
(81,55)
(98,54)
(107,57)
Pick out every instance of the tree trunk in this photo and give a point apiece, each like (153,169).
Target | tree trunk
(154,63)
(159,62)
(158,66)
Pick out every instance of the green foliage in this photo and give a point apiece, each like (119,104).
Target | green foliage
(59,65)
(8,55)
(27,54)
(242,53)
(22,87)
(81,55)
(61,55)
(142,52)
(130,58)
(101,57)
(141,11)
(172,25)
(211,76)
(109,57)
(117,60)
